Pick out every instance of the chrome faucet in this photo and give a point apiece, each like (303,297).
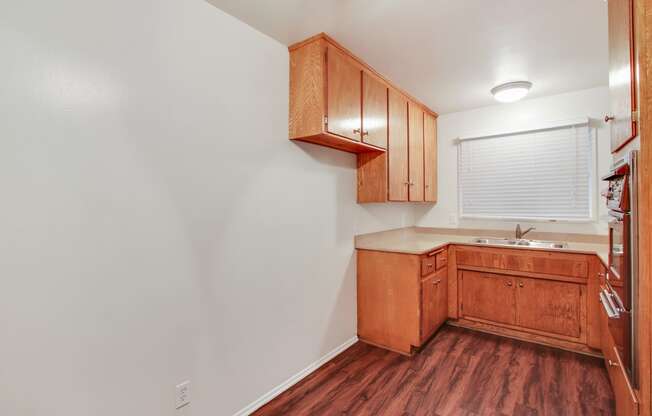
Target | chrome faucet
(520,234)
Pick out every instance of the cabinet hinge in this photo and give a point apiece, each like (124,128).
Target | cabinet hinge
(325,120)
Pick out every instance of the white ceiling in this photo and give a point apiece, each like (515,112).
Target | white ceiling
(450,53)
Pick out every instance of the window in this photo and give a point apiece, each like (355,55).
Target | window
(546,174)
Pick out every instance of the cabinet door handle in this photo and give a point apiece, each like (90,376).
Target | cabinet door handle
(356,131)
(365,133)
(436,282)
(612,363)
(509,283)
(608,118)
(520,284)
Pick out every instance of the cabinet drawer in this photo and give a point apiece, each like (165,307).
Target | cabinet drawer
(441,260)
(544,262)
(434,261)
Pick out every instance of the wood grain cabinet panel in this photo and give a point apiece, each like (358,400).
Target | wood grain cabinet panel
(415,151)
(549,306)
(398,147)
(389,299)
(621,73)
(430,157)
(489,297)
(374,111)
(398,308)
(479,258)
(338,101)
(344,95)
(434,301)
(627,403)
(557,264)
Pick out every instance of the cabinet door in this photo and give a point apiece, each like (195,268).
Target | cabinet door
(374,111)
(434,303)
(430,157)
(344,95)
(621,72)
(442,298)
(415,151)
(398,147)
(488,296)
(550,306)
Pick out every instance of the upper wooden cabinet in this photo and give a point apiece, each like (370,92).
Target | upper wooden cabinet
(415,149)
(374,111)
(398,148)
(430,157)
(337,100)
(344,95)
(622,73)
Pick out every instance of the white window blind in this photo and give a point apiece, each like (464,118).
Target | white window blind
(545,174)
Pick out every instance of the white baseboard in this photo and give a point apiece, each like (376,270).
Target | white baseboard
(267,397)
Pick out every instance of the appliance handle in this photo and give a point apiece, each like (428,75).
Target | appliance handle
(609,307)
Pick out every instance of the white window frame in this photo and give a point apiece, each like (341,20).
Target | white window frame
(593,181)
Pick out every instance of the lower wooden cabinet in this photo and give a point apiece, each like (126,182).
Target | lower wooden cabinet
(550,306)
(434,303)
(488,297)
(626,400)
(399,308)
(534,295)
(539,304)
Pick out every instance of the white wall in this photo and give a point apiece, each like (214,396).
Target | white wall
(157,225)
(521,115)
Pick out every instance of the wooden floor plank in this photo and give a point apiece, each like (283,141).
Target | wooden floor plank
(459,372)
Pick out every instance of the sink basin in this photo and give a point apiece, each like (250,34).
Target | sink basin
(495,241)
(520,243)
(542,244)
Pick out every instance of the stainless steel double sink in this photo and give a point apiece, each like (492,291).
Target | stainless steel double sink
(494,241)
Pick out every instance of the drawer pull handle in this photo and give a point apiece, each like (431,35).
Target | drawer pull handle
(509,283)
(520,284)
(609,306)
(612,363)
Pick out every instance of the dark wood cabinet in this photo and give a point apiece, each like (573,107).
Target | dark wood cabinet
(622,82)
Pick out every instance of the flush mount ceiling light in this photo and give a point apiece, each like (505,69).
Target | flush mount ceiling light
(511,91)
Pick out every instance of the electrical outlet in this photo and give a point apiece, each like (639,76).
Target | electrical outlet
(183,394)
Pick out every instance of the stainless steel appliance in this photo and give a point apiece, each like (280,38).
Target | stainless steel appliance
(619,295)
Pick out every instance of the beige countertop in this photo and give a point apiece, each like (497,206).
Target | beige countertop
(420,240)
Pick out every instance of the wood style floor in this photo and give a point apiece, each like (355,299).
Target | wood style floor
(459,372)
